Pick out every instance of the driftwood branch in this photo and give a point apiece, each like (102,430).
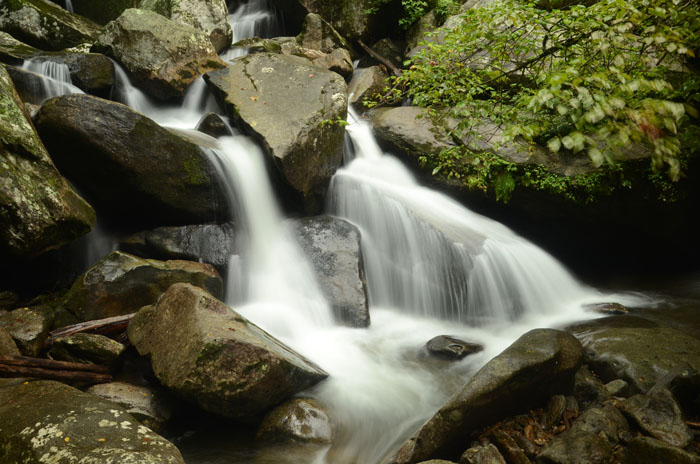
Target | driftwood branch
(108,326)
(385,61)
(22,366)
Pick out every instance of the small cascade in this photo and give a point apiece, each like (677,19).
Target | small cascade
(69,6)
(54,79)
(252,18)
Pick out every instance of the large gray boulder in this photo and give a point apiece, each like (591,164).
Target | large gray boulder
(538,365)
(39,210)
(208,354)
(208,243)
(295,110)
(129,165)
(637,351)
(333,246)
(45,25)
(162,56)
(122,284)
(45,421)
(208,16)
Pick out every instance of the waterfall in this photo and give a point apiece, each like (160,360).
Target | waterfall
(69,6)
(54,79)
(252,18)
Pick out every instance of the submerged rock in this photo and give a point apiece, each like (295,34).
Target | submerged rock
(150,406)
(333,246)
(208,16)
(637,351)
(300,420)
(447,347)
(89,349)
(162,56)
(209,243)
(295,110)
(28,327)
(122,284)
(537,365)
(45,25)
(212,124)
(39,211)
(211,356)
(129,165)
(45,421)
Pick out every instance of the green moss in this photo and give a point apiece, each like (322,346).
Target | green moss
(196,173)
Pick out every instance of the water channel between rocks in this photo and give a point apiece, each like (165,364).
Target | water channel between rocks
(433,268)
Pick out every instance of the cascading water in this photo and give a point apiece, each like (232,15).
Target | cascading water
(69,6)
(252,18)
(55,79)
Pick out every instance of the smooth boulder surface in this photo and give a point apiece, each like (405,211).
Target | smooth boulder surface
(209,355)
(208,16)
(149,405)
(39,210)
(365,83)
(637,351)
(447,347)
(28,327)
(162,56)
(211,243)
(300,420)
(333,246)
(129,165)
(49,422)
(88,349)
(539,364)
(295,110)
(122,284)
(45,25)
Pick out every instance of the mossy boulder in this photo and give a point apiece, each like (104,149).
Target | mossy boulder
(539,364)
(12,51)
(211,356)
(162,56)
(301,420)
(208,16)
(39,211)
(45,25)
(295,110)
(28,327)
(122,284)
(129,165)
(88,349)
(151,406)
(45,421)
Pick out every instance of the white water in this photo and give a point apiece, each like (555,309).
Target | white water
(69,6)
(254,18)
(54,77)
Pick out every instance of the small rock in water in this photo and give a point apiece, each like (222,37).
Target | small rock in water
(299,420)
(212,124)
(447,347)
(509,448)
(609,309)
(554,411)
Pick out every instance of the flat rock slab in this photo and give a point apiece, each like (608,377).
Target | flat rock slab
(538,365)
(211,356)
(45,421)
(637,351)
(294,109)
(149,405)
(122,284)
(89,349)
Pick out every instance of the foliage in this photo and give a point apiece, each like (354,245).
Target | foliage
(597,78)
(413,10)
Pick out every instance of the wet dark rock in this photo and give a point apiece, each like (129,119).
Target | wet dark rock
(637,351)
(589,441)
(132,168)
(212,124)
(45,25)
(88,349)
(333,246)
(8,299)
(509,449)
(365,84)
(208,243)
(528,447)
(8,347)
(538,365)
(645,450)
(209,355)
(300,420)
(49,420)
(28,327)
(208,16)
(657,414)
(162,56)
(39,210)
(447,347)
(122,284)
(606,308)
(14,52)
(588,389)
(295,110)
(618,387)
(386,48)
(93,73)
(148,405)
(103,11)
(554,411)
(482,454)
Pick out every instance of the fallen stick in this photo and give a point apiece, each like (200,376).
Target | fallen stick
(385,61)
(25,361)
(22,366)
(106,326)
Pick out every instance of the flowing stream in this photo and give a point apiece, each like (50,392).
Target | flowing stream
(433,268)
